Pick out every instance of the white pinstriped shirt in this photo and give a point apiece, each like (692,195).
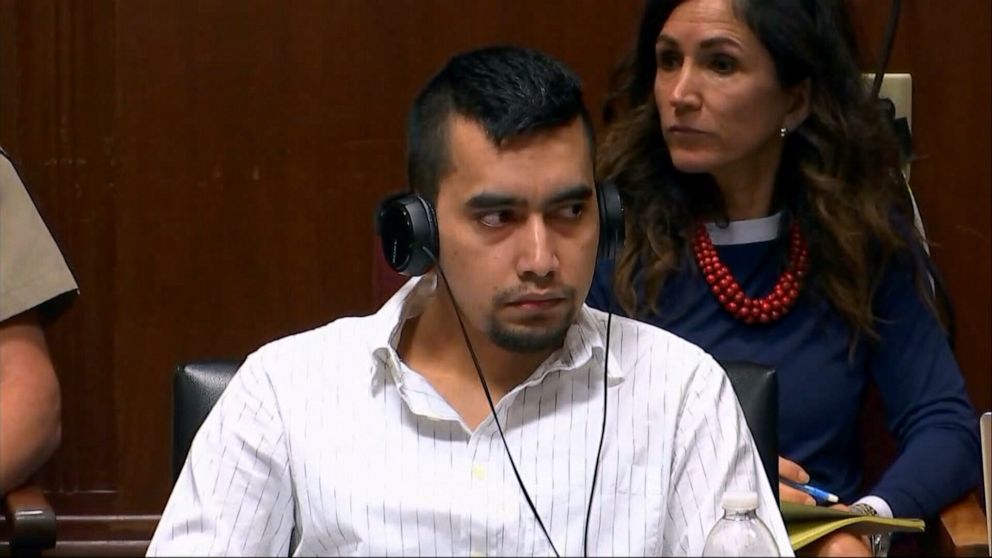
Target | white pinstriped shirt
(326,443)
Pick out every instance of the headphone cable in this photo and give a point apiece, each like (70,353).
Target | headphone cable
(499,427)
(602,433)
(492,407)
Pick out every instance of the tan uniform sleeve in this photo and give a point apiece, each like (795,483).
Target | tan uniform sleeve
(32,269)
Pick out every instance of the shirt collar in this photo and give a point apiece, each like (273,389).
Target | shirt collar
(584,341)
(384,335)
(747,231)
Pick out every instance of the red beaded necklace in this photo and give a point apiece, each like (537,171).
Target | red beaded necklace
(725,288)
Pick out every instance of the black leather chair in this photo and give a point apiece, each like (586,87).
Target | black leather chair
(757,390)
(196,387)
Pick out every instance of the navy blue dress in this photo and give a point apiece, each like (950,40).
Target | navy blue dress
(821,389)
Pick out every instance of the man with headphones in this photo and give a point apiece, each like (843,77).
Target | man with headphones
(484,409)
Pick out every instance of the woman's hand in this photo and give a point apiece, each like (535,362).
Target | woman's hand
(837,544)
(792,471)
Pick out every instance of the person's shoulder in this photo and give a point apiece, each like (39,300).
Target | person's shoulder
(657,365)
(644,332)
(10,181)
(345,342)
(642,347)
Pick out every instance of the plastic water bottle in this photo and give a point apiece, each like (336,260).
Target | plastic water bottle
(740,532)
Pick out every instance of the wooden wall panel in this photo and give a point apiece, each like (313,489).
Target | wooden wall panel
(211,168)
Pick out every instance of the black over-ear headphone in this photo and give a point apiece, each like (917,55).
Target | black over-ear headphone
(407,226)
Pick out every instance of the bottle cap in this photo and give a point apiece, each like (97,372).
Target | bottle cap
(740,501)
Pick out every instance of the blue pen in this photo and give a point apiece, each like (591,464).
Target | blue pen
(816,493)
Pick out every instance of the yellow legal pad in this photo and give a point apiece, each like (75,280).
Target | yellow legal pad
(805,524)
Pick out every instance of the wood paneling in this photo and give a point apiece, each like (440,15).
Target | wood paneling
(211,167)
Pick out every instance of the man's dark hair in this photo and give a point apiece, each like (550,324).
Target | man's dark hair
(509,91)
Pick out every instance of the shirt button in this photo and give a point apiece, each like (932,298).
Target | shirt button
(479,472)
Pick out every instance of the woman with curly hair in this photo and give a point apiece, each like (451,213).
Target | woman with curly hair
(767,221)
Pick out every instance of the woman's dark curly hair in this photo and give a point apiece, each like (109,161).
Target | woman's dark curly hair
(839,174)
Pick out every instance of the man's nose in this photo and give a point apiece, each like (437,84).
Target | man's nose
(537,252)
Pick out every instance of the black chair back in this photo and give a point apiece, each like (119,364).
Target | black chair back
(757,390)
(196,387)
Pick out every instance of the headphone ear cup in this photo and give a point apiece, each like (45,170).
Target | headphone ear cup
(407,228)
(611,221)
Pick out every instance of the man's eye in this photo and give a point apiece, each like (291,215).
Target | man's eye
(495,218)
(571,212)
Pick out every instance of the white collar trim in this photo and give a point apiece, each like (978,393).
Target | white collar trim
(748,231)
